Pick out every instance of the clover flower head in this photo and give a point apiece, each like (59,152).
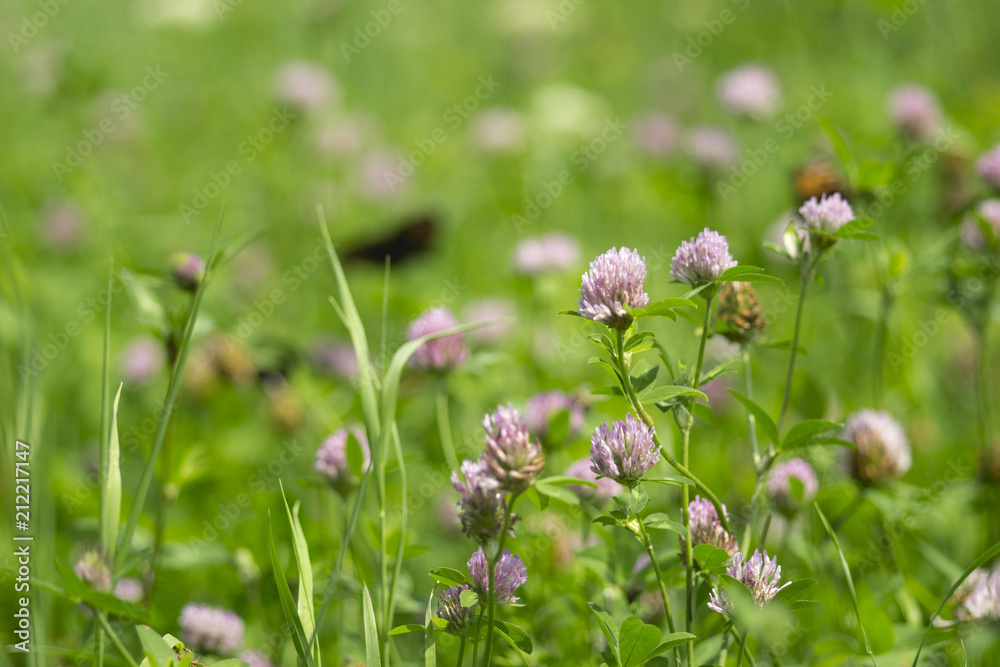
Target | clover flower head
(438,354)
(988,166)
(656,134)
(624,451)
(613,283)
(779,485)
(482,503)
(211,629)
(129,590)
(336,358)
(972,234)
(712,148)
(607,488)
(881,452)
(739,318)
(331,458)
(141,360)
(511,456)
(450,609)
(915,110)
(488,309)
(983,599)
(306,85)
(255,658)
(541,408)
(187,269)
(760,574)
(549,252)
(706,528)
(91,567)
(826,214)
(499,130)
(702,259)
(750,90)
(508,575)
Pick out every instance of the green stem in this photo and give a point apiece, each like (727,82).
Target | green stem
(475,639)
(404,516)
(983,385)
(724,650)
(99,646)
(751,420)
(648,544)
(461,650)
(743,645)
(808,265)
(122,651)
(633,399)
(444,426)
(763,531)
(491,583)
(688,547)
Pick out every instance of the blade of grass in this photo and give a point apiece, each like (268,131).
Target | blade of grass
(287,602)
(125,539)
(404,515)
(430,645)
(985,556)
(372,658)
(304,564)
(111,489)
(850,581)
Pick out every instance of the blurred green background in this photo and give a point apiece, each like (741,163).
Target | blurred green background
(119,116)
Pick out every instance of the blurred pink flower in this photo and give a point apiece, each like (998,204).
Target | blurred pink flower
(656,133)
(499,130)
(305,84)
(751,90)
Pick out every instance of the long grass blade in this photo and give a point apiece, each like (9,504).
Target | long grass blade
(850,581)
(287,602)
(125,539)
(305,598)
(985,556)
(111,485)
(372,658)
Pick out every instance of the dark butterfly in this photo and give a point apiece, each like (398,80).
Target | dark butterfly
(414,237)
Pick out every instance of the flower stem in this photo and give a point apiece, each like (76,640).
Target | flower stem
(743,644)
(648,544)
(983,385)
(475,639)
(491,582)
(808,265)
(461,650)
(751,420)
(444,426)
(122,651)
(636,404)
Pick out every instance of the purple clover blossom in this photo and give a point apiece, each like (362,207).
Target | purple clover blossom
(92,568)
(129,590)
(550,252)
(486,310)
(511,456)
(656,134)
(881,452)
(508,575)
(613,283)
(211,629)
(542,408)
(827,214)
(482,505)
(187,270)
(141,360)
(779,485)
(450,609)
(255,658)
(331,458)
(623,452)
(759,574)
(988,166)
(706,528)
(606,488)
(702,259)
(750,90)
(439,354)
(712,148)
(305,85)
(983,600)
(335,357)
(972,234)
(915,110)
